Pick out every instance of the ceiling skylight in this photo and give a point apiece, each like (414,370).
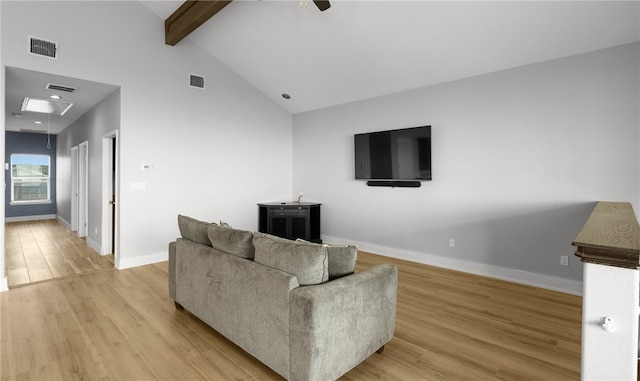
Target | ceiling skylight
(46,106)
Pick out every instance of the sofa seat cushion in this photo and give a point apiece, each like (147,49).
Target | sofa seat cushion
(194,230)
(231,241)
(308,262)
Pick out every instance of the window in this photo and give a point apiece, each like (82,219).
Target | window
(30,182)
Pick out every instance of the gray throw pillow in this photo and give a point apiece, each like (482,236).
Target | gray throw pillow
(342,259)
(194,230)
(308,262)
(231,241)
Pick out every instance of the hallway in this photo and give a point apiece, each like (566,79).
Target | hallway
(37,251)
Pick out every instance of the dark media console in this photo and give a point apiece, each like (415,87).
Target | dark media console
(290,220)
(394,184)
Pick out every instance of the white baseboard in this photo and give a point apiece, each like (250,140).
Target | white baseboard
(126,263)
(94,245)
(63,222)
(4,284)
(518,276)
(30,218)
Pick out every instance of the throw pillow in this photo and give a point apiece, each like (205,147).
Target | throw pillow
(194,230)
(231,241)
(308,262)
(342,259)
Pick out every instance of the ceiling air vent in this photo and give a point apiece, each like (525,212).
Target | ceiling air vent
(67,89)
(43,48)
(196,81)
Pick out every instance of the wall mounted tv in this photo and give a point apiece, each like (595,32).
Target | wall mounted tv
(399,157)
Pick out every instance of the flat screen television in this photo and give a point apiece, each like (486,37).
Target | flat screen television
(397,155)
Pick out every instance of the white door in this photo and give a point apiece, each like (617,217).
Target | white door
(74,188)
(83,191)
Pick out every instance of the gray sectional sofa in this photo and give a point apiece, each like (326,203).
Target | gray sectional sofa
(298,307)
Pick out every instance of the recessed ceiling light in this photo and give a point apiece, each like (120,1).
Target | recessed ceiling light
(45,106)
(37,122)
(286,96)
(54,96)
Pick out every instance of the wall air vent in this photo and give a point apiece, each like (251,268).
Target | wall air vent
(43,48)
(67,89)
(196,81)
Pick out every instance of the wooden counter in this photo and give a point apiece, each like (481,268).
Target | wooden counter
(611,236)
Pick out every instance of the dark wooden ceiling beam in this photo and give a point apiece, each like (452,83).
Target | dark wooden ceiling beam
(322,5)
(189,17)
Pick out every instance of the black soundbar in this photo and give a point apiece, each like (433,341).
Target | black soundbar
(394,183)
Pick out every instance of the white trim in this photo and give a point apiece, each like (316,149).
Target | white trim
(30,218)
(73,226)
(126,263)
(31,202)
(4,284)
(518,276)
(93,244)
(83,189)
(63,222)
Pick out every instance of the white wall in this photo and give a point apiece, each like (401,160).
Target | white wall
(215,152)
(519,158)
(90,127)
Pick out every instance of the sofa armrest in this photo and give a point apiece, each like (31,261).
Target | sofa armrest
(172,270)
(336,325)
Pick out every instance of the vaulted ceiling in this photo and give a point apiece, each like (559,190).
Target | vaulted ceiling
(362,49)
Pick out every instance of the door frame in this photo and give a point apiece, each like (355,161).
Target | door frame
(83,189)
(110,184)
(74,189)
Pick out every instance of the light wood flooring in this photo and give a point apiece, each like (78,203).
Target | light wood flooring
(121,325)
(42,250)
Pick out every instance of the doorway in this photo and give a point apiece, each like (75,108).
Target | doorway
(110,194)
(78,208)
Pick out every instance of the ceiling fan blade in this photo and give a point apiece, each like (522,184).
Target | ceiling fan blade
(322,5)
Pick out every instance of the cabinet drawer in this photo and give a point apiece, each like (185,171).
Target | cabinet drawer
(289,212)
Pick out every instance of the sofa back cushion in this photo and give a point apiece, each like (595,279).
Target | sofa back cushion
(194,230)
(231,241)
(308,262)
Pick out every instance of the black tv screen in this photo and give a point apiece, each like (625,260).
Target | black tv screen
(403,154)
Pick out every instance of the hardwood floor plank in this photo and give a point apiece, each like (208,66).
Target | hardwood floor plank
(17,277)
(38,275)
(37,251)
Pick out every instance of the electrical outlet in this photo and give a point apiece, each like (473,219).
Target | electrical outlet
(564,260)
(452,242)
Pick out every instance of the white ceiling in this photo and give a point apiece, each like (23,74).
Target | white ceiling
(20,83)
(363,49)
